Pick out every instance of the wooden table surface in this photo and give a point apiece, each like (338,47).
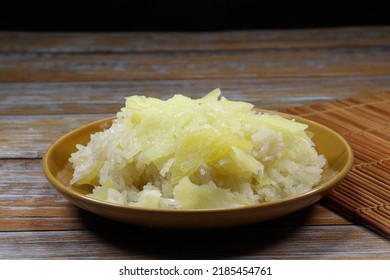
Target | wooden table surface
(51,83)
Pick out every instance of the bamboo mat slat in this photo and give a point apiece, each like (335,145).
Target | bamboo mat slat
(364,121)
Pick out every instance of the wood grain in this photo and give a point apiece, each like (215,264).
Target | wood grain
(252,242)
(193,65)
(109,97)
(30,137)
(173,42)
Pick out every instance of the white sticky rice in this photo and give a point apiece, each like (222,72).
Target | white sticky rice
(203,153)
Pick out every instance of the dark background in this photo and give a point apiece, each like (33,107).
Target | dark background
(184,15)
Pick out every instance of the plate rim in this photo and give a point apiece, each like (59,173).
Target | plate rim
(319,188)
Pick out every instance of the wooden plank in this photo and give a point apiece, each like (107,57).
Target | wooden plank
(32,216)
(251,242)
(23,137)
(194,65)
(109,97)
(201,41)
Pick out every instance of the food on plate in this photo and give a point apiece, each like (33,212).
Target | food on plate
(205,153)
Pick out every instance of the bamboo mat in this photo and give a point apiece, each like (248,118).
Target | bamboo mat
(364,194)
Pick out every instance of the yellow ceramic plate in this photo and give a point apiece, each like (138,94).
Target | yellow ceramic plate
(59,172)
